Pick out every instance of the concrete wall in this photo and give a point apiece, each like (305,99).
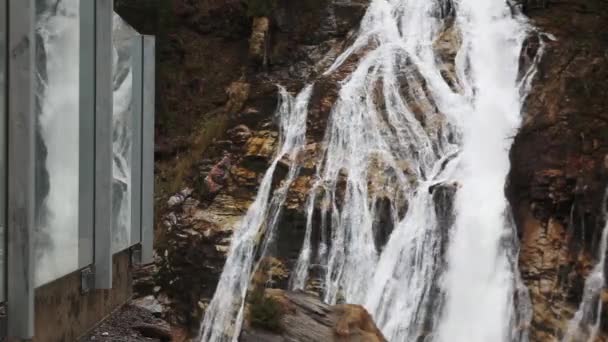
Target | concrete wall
(63,313)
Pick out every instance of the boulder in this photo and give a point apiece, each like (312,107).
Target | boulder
(303,317)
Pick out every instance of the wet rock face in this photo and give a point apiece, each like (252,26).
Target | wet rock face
(222,110)
(559,172)
(192,256)
(198,223)
(226,17)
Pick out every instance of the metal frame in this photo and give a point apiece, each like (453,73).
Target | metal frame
(86,184)
(147,192)
(103,144)
(3,148)
(136,137)
(21,138)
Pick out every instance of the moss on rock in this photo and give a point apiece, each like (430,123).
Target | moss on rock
(264,311)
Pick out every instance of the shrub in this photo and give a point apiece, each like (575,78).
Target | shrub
(264,312)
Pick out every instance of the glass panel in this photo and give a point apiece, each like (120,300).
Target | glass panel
(136,157)
(57,138)
(3,138)
(87,103)
(122,133)
(147,174)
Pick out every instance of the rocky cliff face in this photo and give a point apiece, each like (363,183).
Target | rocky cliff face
(217,135)
(219,67)
(560,161)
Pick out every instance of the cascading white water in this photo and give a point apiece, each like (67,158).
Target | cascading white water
(479,118)
(584,326)
(224,315)
(58,120)
(435,148)
(376,137)
(480,282)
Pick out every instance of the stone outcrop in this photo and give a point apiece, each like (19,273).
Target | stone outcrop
(216,133)
(559,169)
(258,43)
(303,317)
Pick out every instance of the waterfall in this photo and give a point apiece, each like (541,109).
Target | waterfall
(58,132)
(224,315)
(414,223)
(585,324)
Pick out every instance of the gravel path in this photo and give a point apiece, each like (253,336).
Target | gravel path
(130,324)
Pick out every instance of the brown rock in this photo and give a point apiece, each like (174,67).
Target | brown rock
(160,332)
(349,14)
(240,134)
(259,40)
(305,318)
(238,93)
(217,176)
(261,146)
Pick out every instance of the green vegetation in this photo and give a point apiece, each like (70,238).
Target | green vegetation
(260,8)
(209,130)
(264,312)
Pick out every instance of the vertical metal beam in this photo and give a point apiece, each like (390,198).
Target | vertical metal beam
(86,183)
(137,61)
(21,135)
(147,197)
(103,143)
(3,152)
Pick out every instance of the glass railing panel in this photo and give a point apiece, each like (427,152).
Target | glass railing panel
(3,157)
(57,139)
(123,125)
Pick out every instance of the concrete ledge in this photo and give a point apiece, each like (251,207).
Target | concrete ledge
(63,313)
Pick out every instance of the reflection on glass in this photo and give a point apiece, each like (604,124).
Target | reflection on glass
(57,67)
(122,126)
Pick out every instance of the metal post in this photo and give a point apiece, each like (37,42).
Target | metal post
(136,136)
(86,184)
(3,154)
(103,144)
(147,197)
(21,137)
